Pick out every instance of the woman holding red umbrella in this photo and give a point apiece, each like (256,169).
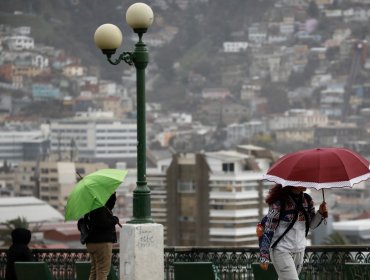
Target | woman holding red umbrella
(291,214)
(291,211)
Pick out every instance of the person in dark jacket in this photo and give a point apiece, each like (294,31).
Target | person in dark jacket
(18,251)
(102,235)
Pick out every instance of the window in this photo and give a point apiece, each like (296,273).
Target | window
(186,219)
(228,167)
(185,186)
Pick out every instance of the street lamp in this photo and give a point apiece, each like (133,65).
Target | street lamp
(108,38)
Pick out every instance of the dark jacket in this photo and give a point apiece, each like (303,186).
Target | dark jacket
(102,226)
(18,251)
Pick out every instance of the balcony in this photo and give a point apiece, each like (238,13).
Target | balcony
(320,262)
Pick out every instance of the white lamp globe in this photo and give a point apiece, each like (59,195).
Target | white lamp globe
(108,37)
(139,16)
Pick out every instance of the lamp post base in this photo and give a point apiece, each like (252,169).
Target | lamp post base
(142,252)
(141,206)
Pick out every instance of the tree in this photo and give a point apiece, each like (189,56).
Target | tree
(5,234)
(20,222)
(264,140)
(312,10)
(277,97)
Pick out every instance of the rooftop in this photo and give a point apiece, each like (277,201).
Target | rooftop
(32,209)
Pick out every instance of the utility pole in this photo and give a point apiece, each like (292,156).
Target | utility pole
(59,149)
(36,178)
(72,149)
(359,50)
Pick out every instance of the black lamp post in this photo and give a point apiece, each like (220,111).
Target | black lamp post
(108,38)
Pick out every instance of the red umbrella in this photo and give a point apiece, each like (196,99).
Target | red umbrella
(320,168)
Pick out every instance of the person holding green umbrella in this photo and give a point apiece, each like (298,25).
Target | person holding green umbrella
(93,198)
(102,234)
(92,192)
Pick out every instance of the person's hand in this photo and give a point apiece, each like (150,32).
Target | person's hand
(259,230)
(116,220)
(323,210)
(264,266)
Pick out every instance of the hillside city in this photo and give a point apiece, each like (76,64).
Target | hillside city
(295,79)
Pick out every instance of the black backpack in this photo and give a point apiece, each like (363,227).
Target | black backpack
(84,228)
(299,207)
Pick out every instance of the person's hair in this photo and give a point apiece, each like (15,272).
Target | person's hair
(111,201)
(277,192)
(21,236)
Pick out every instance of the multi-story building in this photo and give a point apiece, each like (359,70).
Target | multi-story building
(30,59)
(74,70)
(235,198)
(16,146)
(337,133)
(94,138)
(158,162)
(20,42)
(235,47)
(257,33)
(331,100)
(45,91)
(27,71)
(188,201)
(118,105)
(298,119)
(237,132)
(51,181)
(287,26)
(215,198)
(304,135)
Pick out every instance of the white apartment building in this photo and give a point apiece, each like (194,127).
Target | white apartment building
(40,61)
(22,30)
(15,144)
(235,47)
(257,33)
(107,88)
(235,197)
(94,139)
(298,119)
(332,99)
(237,132)
(20,42)
(333,13)
(74,70)
(287,26)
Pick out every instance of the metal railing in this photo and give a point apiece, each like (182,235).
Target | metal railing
(320,262)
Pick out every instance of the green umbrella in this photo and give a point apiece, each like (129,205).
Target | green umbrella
(92,192)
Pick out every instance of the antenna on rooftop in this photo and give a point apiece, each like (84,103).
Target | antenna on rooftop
(79,175)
